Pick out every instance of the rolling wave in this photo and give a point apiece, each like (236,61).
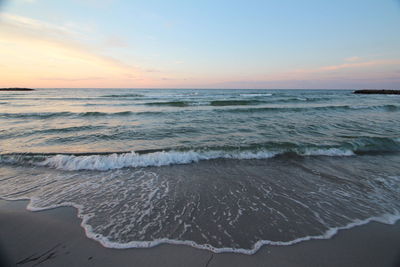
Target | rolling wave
(235,102)
(170,103)
(301,99)
(219,103)
(123,95)
(122,113)
(212,103)
(256,94)
(388,108)
(71,129)
(47,115)
(117,160)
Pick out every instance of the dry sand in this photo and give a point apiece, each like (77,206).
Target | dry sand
(55,238)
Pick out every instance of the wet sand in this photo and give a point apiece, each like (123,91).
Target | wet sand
(55,238)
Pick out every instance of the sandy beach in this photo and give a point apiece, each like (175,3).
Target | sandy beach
(55,238)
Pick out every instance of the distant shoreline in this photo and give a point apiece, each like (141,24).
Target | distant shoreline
(17,89)
(375,91)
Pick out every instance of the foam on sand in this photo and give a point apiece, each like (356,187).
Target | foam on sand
(386,218)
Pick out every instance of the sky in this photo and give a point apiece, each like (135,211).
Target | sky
(271,44)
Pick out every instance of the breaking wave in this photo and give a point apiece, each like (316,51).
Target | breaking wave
(117,160)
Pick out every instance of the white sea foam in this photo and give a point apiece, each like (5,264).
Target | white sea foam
(328,152)
(384,218)
(163,158)
(49,195)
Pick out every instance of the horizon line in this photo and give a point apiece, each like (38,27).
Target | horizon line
(199,88)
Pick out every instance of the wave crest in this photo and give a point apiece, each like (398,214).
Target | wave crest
(170,103)
(234,102)
(133,159)
(162,157)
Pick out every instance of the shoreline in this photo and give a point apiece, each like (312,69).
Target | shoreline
(55,237)
(16,89)
(377,91)
(386,219)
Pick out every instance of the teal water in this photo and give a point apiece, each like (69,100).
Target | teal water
(226,170)
(101,120)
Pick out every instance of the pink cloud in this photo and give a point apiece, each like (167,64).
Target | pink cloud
(360,65)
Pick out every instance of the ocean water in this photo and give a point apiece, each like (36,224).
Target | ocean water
(224,170)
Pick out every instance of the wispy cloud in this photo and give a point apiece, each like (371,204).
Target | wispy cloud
(360,65)
(26,25)
(356,65)
(71,79)
(386,80)
(352,59)
(40,49)
(367,74)
(27,1)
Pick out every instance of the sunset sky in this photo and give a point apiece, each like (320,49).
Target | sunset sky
(200,44)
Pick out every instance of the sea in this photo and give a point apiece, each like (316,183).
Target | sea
(223,170)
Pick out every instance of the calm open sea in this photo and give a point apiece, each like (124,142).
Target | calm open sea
(225,170)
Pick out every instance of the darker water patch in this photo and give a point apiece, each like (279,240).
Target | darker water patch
(48,115)
(89,114)
(385,108)
(39,115)
(170,103)
(123,95)
(234,102)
